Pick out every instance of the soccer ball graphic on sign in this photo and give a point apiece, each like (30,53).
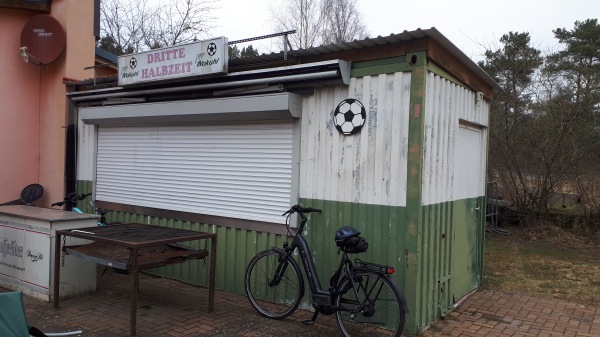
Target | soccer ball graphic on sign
(349,116)
(212,49)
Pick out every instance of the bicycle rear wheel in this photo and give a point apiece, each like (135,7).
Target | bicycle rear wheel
(373,306)
(274,288)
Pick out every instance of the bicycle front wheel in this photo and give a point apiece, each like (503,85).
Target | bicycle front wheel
(274,287)
(373,306)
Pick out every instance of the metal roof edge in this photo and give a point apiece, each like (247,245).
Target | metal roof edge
(301,72)
(398,38)
(105,54)
(402,37)
(446,43)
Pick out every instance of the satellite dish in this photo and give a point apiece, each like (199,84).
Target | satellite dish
(42,39)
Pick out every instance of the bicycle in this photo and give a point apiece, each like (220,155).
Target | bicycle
(364,297)
(71,201)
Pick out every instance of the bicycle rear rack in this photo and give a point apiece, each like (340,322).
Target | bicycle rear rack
(374,267)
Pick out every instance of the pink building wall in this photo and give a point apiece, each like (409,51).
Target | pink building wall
(33,103)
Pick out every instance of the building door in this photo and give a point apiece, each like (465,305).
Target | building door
(469,177)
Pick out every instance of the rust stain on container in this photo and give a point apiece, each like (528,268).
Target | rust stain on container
(417,113)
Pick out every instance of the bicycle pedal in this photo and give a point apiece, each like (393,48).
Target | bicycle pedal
(308,322)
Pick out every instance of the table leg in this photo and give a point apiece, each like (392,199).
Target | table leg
(57,255)
(134,278)
(211,286)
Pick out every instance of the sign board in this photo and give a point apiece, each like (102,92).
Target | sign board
(25,257)
(193,59)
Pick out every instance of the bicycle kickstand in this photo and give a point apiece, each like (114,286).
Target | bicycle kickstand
(313,319)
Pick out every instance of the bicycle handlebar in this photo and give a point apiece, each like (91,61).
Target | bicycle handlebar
(72,198)
(301,209)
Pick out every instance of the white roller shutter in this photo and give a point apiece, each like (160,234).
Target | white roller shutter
(239,171)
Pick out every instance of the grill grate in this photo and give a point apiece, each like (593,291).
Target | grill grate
(132,234)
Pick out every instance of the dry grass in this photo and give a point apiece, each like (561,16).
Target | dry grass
(544,261)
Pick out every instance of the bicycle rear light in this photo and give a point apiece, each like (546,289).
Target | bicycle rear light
(390,270)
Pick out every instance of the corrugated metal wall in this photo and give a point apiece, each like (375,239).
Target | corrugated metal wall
(354,178)
(382,226)
(235,247)
(368,167)
(358,180)
(447,210)
(446,104)
(86,151)
(361,180)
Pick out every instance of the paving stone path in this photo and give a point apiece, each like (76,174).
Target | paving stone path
(171,309)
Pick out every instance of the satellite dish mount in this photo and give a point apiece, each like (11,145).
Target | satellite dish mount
(26,56)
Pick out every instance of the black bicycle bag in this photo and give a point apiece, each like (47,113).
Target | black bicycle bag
(355,244)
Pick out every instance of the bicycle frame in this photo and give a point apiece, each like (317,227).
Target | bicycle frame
(319,295)
(70,201)
(321,298)
(76,210)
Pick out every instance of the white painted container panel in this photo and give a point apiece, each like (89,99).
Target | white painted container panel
(368,167)
(86,150)
(446,156)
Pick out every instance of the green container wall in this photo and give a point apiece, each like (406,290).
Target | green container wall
(382,226)
(451,257)
(436,266)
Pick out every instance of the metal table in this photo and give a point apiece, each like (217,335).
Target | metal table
(135,247)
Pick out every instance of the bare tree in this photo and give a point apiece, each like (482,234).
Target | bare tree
(304,16)
(122,23)
(343,22)
(319,21)
(179,21)
(137,25)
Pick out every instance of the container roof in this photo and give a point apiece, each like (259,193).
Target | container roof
(405,36)
(321,52)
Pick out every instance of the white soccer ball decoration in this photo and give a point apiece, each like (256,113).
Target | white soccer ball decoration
(349,116)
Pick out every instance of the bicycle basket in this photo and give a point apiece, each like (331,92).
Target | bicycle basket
(350,241)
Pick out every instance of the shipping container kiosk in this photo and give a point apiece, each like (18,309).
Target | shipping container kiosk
(386,134)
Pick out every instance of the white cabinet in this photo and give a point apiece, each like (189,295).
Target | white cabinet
(27,252)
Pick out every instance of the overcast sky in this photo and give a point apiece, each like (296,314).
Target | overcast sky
(471,25)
